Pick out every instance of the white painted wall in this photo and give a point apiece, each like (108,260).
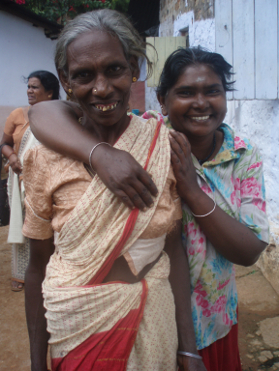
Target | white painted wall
(23,49)
(255,119)
(200,33)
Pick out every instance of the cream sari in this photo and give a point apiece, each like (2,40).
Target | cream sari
(112,326)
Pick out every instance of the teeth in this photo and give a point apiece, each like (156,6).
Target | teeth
(106,108)
(203,118)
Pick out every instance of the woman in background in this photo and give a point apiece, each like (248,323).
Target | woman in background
(41,86)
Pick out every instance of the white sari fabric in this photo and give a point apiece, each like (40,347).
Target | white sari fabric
(77,304)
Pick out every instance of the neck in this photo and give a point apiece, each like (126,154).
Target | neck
(204,148)
(108,134)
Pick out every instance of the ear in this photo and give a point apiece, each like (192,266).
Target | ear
(50,94)
(134,67)
(64,81)
(162,100)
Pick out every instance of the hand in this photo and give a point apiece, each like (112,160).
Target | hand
(15,163)
(122,174)
(190,364)
(183,166)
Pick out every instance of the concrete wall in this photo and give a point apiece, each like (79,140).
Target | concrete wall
(176,15)
(24,48)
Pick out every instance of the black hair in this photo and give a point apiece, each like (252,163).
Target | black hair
(185,57)
(48,80)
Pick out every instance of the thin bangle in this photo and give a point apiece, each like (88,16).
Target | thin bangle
(91,153)
(187,354)
(204,215)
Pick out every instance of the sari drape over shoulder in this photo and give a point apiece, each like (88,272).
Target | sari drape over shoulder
(116,325)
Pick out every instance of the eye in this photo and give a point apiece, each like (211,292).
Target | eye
(185,93)
(114,69)
(213,91)
(82,75)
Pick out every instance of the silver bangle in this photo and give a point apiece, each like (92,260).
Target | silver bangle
(91,153)
(187,354)
(203,216)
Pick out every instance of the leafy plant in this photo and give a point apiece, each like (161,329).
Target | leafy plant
(61,11)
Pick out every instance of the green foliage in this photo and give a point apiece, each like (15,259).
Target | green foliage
(61,11)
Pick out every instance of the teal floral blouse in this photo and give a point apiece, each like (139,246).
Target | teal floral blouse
(234,179)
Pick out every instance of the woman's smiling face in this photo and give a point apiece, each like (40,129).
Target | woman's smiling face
(100,77)
(196,104)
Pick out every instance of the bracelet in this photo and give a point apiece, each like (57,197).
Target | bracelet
(187,354)
(204,215)
(91,153)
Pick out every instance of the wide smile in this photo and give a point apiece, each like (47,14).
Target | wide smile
(106,107)
(200,118)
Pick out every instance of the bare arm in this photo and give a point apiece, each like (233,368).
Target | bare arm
(40,252)
(180,283)
(8,152)
(55,124)
(232,239)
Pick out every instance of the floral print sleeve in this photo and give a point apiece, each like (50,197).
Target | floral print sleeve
(252,196)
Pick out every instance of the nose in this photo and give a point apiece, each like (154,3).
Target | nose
(201,101)
(102,86)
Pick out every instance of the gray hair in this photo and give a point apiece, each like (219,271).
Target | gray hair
(106,20)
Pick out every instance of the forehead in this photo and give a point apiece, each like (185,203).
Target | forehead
(198,74)
(94,47)
(34,81)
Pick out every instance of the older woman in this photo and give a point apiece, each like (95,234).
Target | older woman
(41,86)
(107,299)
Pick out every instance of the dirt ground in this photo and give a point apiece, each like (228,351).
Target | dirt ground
(258,319)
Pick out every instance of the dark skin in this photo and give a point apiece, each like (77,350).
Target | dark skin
(40,253)
(132,184)
(196,106)
(100,78)
(36,93)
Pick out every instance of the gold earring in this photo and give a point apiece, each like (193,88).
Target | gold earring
(49,96)
(95,90)
(134,79)
(70,91)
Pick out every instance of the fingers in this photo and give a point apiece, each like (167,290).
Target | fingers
(131,198)
(137,191)
(147,183)
(179,143)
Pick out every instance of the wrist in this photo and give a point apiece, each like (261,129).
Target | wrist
(192,196)
(97,154)
(13,153)
(189,354)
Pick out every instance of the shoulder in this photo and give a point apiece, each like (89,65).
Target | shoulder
(43,160)
(237,142)
(18,112)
